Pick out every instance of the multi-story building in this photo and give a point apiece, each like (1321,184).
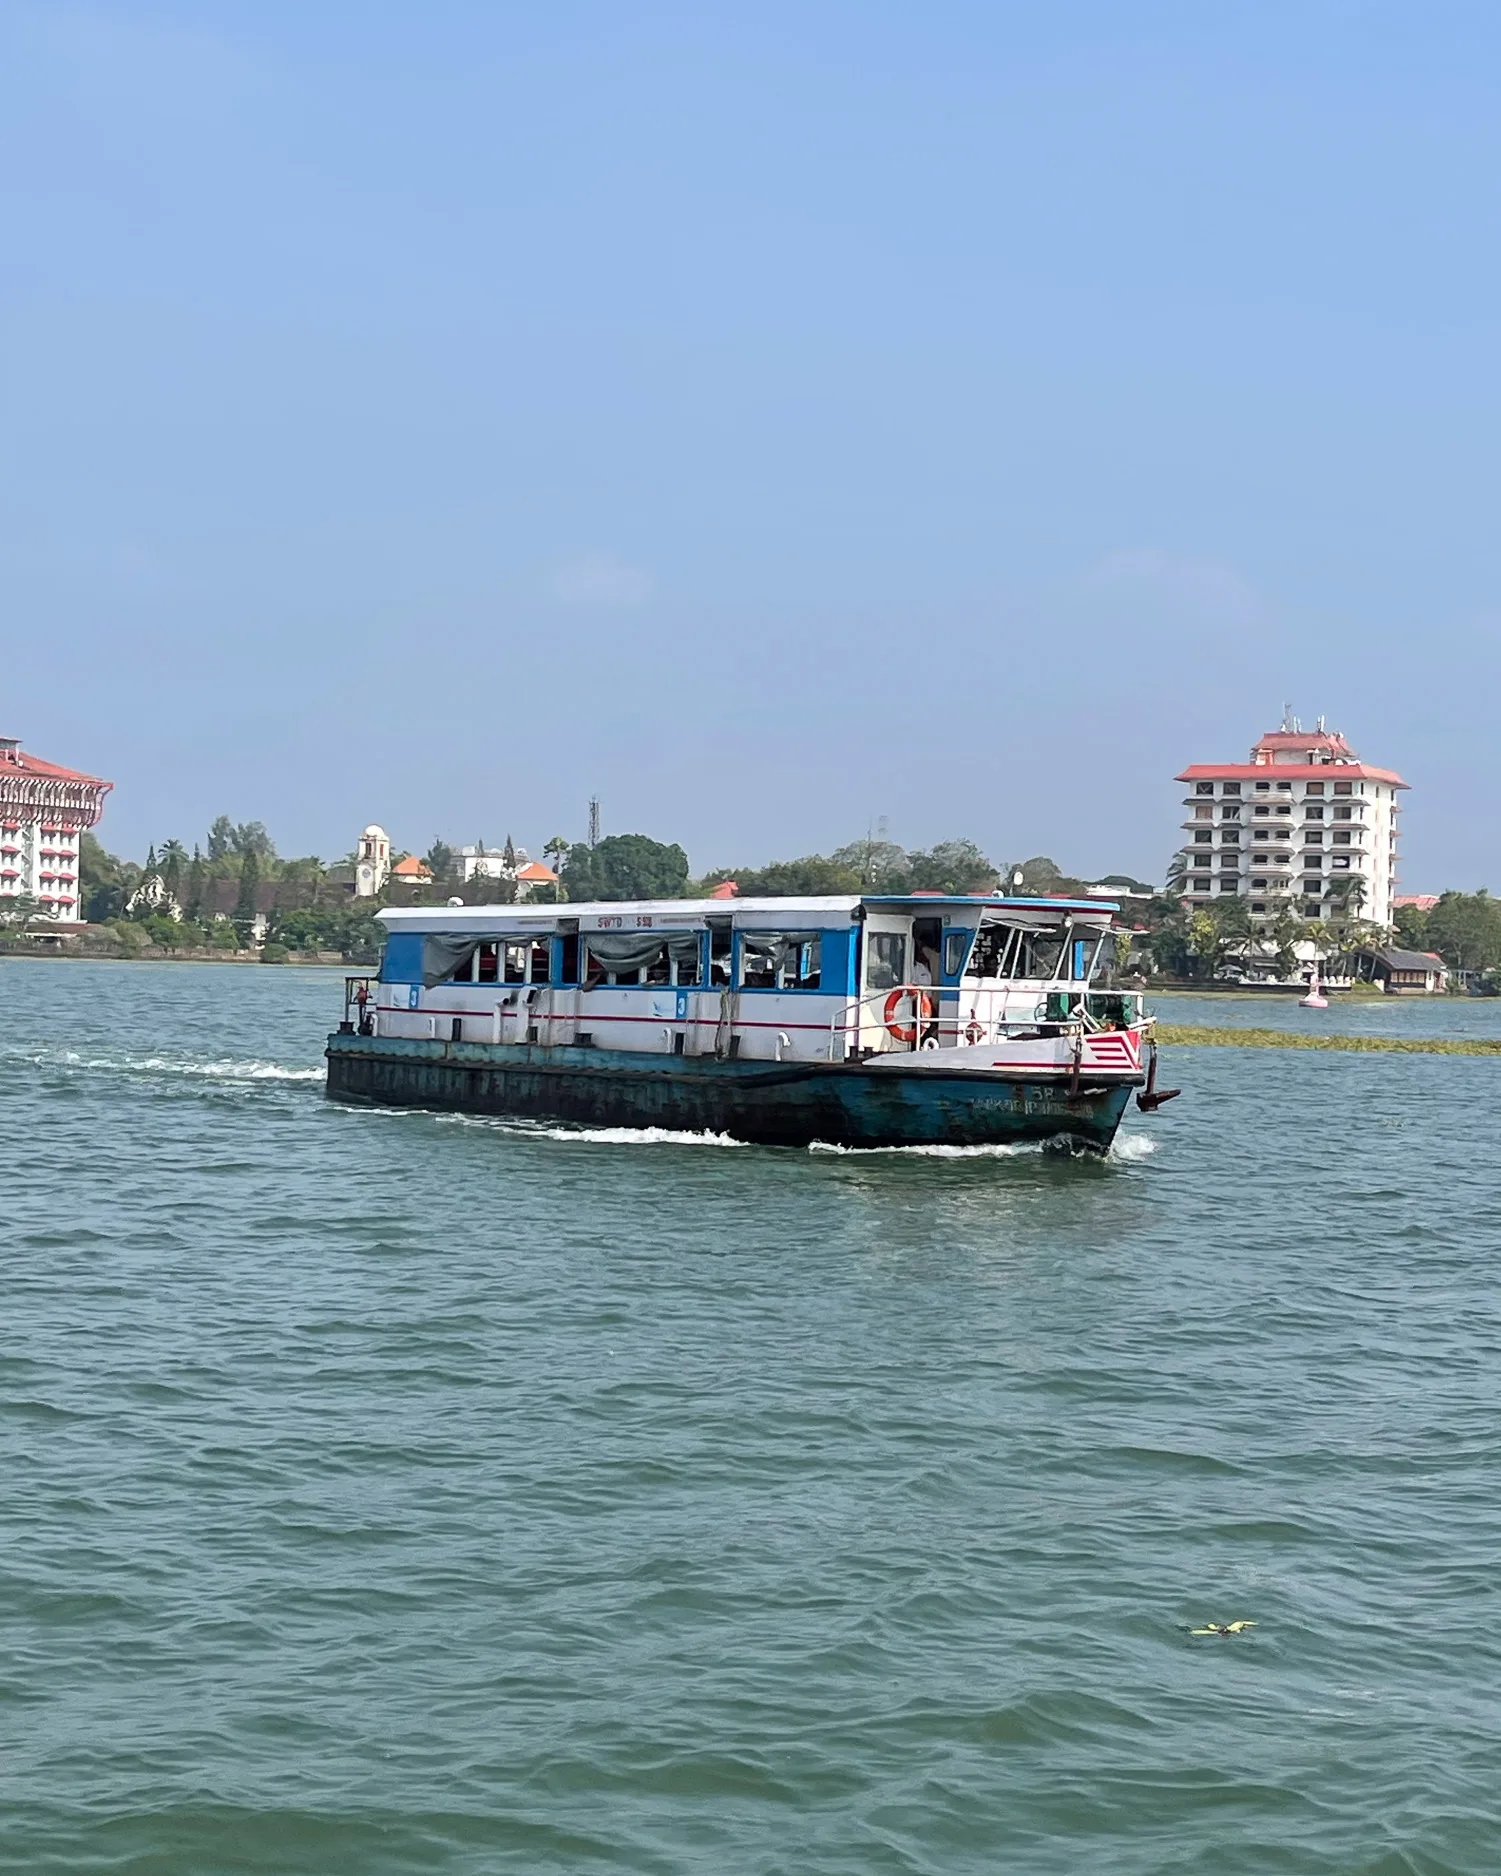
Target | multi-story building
(44,810)
(1304,825)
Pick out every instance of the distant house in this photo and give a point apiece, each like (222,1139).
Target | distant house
(1403,973)
(1419,901)
(412,872)
(532,878)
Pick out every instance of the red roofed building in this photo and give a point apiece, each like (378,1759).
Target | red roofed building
(44,810)
(1304,825)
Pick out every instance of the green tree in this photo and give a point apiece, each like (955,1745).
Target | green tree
(810,877)
(251,837)
(221,838)
(18,910)
(1411,923)
(194,886)
(101,884)
(245,901)
(1285,932)
(626,866)
(171,863)
(441,859)
(1465,929)
(879,865)
(953,866)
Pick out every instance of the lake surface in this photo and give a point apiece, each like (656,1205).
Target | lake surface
(387,1492)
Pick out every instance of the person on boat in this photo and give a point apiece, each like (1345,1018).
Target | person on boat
(922,978)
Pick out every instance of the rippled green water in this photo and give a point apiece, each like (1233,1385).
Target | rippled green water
(387,1492)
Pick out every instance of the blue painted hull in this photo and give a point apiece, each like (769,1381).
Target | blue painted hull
(768,1103)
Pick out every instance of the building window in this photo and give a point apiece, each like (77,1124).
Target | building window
(1203,788)
(1258,885)
(1314,837)
(1340,859)
(1344,788)
(1203,814)
(1313,814)
(1344,814)
(1231,813)
(1257,906)
(1314,788)
(1231,788)
(1262,833)
(1262,813)
(1228,885)
(1206,839)
(1284,811)
(1263,788)
(1341,839)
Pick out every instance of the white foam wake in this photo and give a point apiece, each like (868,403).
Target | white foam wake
(1131,1146)
(228,1069)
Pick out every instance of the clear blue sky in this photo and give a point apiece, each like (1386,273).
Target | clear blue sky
(767,417)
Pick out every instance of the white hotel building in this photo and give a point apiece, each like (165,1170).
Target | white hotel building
(1304,825)
(44,810)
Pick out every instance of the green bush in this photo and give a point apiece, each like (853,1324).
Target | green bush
(274,954)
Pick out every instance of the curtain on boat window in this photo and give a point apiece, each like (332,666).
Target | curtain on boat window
(442,955)
(628,951)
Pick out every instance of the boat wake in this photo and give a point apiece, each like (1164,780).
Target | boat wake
(227,1069)
(1127,1148)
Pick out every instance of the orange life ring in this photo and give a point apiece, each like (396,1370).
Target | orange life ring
(907,1032)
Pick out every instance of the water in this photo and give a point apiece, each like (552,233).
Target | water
(392,1493)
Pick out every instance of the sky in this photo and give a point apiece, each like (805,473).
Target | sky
(767,419)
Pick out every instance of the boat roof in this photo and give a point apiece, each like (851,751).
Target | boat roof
(677,914)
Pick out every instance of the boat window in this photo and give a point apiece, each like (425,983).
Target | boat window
(719,954)
(955,951)
(570,961)
(885,959)
(1040,953)
(541,960)
(783,960)
(515,964)
(686,964)
(489,964)
(985,958)
(640,957)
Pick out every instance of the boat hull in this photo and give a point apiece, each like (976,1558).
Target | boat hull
(766,1103)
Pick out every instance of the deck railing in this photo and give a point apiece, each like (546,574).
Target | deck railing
(947,1025)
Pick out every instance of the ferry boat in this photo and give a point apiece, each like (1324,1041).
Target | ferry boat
(862,1020)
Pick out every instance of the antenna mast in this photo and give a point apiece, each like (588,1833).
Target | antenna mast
(594,820)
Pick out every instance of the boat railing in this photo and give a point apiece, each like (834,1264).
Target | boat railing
(359,1006)
(920,1019)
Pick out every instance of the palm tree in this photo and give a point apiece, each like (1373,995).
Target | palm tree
(1177,873)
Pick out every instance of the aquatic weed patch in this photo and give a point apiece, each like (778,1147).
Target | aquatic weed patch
(1194,1035)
